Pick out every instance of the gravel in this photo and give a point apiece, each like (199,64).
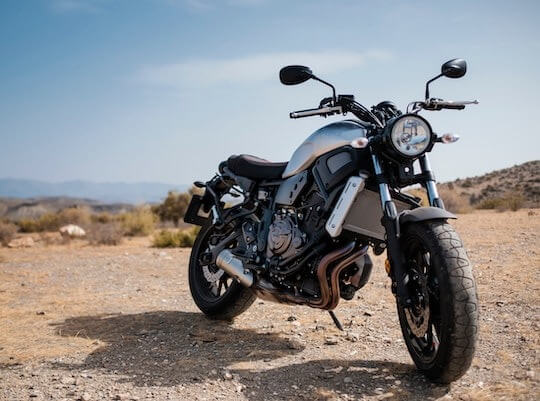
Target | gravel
(118,323)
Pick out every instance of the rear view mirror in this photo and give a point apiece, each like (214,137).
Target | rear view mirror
(455,68)
(295,74)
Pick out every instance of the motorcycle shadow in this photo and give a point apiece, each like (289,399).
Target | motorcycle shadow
(168,348)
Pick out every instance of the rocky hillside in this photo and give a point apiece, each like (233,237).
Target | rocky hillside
(520,180)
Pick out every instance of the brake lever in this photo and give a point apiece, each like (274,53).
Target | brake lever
(326,101)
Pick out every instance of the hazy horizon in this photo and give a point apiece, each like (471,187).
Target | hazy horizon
(162,91)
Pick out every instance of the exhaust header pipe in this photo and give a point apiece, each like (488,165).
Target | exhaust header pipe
(234,267)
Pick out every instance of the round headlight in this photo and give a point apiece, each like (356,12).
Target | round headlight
(410,135)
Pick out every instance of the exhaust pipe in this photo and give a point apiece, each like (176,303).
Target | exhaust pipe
(234,268)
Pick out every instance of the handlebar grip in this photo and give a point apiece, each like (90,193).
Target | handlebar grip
(305,113)
(454,106)
(322,111)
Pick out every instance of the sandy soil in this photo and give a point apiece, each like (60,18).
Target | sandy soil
(97,323)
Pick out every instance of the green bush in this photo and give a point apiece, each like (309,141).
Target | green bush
(139,222)
(176,239)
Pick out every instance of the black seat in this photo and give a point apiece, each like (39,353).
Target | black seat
(254,167)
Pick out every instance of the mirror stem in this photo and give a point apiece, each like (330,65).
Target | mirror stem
(430,81)
(328,84)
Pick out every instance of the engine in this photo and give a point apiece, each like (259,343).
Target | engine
(284,237)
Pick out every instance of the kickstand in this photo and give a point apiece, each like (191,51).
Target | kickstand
(335,319)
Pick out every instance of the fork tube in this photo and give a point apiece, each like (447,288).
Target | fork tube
(431,187)
(383,187)
(390,222)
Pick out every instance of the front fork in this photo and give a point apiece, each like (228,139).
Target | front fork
(390,221)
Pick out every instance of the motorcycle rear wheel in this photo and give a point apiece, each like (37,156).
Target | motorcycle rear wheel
(440,328)
(215,293)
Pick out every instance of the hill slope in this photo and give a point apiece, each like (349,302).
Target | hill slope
(521,179)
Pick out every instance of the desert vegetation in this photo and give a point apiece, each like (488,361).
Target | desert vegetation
(104,227)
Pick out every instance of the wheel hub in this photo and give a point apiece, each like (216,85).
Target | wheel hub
(417,314)
(212,276)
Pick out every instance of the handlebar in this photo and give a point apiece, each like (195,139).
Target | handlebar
(439,104)
(321,111)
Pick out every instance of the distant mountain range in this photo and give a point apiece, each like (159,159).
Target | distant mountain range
(111,192)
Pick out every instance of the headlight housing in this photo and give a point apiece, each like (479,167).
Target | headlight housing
(409,136)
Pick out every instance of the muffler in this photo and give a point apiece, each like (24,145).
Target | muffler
(234,267)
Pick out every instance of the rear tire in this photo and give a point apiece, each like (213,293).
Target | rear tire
(435,253)
(224,306)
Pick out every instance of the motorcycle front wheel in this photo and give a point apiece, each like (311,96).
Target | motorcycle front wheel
(440,326)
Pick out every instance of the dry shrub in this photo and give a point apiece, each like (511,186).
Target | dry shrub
(453,202)
(510,201)
(173,207)
(7,232)
(176,239)
(79,216)
(105,234)
(102,217)
(139,222)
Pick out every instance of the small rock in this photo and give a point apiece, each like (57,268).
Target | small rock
(397,382)
(85,397)
(227,375)
(291,318)
(23,242)
(331,340)
(72,231)
(40,313)
(385,396)
(368,313)
(530,374)
(67,380)
(352,337)
(499,303)
(348,380)
(121,396)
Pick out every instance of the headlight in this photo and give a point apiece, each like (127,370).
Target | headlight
(410,135)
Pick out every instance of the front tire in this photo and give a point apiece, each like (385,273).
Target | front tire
(215,293)
(440,327)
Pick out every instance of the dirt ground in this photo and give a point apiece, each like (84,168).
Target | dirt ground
(98,323)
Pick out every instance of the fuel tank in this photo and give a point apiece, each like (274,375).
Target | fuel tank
(324,140)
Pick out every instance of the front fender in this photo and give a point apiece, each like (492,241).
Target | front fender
(423,214)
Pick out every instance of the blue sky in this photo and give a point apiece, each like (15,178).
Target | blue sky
(140,90)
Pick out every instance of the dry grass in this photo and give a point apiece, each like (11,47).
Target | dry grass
(105,234)
(7,232)
(510,201)
(79,216)
(138,223)
(453,202)
(175,239)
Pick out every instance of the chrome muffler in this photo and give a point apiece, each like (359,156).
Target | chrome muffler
(234,267)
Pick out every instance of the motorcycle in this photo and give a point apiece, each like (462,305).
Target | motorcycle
(300,231)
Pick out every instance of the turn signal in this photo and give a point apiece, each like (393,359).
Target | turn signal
(360,143)
(449,138)
(387,266)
